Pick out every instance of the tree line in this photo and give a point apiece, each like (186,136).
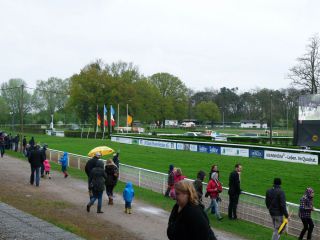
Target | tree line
(155,98)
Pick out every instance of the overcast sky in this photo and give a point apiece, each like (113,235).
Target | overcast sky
(206,43)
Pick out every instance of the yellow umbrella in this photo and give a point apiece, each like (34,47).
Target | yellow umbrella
(104,150)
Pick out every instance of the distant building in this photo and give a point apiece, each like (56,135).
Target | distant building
(252,124)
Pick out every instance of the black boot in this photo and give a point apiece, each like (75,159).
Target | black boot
(88,207)
(99,210)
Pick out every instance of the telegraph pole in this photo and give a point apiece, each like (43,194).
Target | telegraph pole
(21,117)
(271,119)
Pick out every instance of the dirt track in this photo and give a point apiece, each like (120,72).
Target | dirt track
(64,200)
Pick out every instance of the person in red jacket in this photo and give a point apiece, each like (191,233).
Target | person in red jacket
(214,188)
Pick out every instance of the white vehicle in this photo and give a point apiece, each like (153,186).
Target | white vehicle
(188,124)
(191,134)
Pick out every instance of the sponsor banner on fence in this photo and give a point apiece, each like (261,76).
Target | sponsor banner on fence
(158,144)
(253,153)
(291,157)
(193,148)
(242,152)
(122,140)
(203,148)
(215,149)
(183,146)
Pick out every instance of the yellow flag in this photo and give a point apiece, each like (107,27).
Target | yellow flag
(129,119)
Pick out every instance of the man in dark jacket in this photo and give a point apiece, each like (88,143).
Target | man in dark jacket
(234,191)
(32,142)
(2,144)
(44,157)
(24,144)
(276,203)
(116,159)
(16,142)
(92,163)
(35,159)
(96,184)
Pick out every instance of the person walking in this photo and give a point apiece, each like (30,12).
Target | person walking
(214,188)
(16,142)
(32,142)
(112,173)
(35,160)
(199,186)
(214,168)
(128,195)
(64,164)
(47,168)
(24,145)
(92,163)
(116,159)
(234,191)
(2,144)
(276,204)
(96,184)
(170,180)
(43,152)
(306,206)
(187,219)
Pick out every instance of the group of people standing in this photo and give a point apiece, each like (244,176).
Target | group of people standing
(104,177)
(7,141)
(187,214)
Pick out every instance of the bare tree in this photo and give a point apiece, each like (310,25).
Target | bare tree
(307,71)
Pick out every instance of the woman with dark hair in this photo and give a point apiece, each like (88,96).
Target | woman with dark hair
(198,184)
(112,173)
(187,220)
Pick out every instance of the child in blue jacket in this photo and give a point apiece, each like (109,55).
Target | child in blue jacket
(128,194)
(64,164)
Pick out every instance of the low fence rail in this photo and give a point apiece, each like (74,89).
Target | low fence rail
(251,206)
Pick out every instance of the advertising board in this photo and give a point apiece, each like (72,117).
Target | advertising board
(291,157)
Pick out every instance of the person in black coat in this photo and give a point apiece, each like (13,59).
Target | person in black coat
(16,142)
(92,163)
(187,220)
(116,159)
(2,144)
(234,191)
(96,185)
(35,159)
(276,204)
(32,142)
(112,173)
(24,144)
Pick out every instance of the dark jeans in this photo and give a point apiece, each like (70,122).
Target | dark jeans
(42,170)
(233,203)
(2,150)
(96,195)
(35,170)
(307,226)
(109,190)
(128,205)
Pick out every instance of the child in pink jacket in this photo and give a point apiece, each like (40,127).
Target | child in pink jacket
(47,167)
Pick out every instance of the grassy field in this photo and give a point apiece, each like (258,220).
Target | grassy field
(257,175)
(241,228)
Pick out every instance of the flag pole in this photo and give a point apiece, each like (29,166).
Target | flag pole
(110,119)
(118,118)
(127,117)
(104,126)
(95,136)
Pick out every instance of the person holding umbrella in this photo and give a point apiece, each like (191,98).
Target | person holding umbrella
(276,204)
(96,185)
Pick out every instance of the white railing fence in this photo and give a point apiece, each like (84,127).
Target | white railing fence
(251,206)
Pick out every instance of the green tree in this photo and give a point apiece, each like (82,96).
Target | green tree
(12,95)
(53,93)
(5,112)
(173,96)
(207,111)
